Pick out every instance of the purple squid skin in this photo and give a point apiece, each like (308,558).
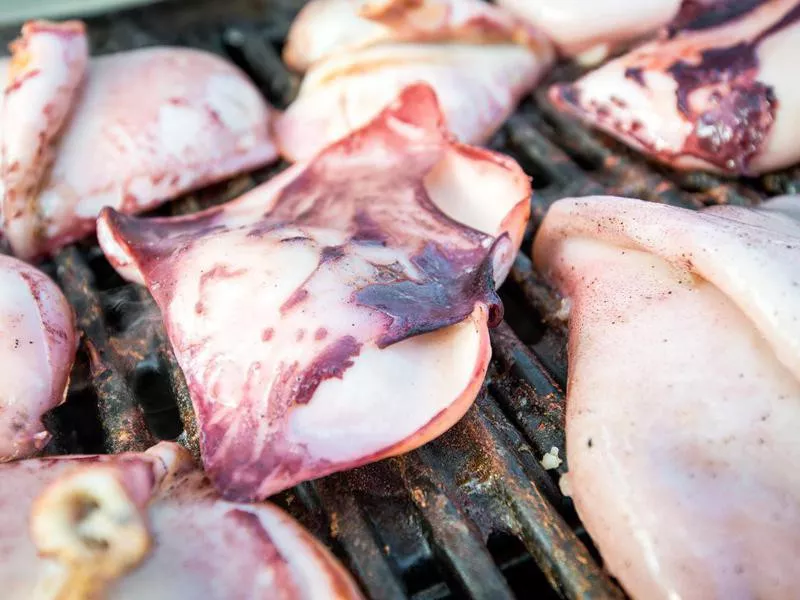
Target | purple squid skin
(712,93)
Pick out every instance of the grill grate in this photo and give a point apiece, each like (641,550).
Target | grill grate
(472,514)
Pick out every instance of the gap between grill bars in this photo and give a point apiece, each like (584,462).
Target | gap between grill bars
(470,515)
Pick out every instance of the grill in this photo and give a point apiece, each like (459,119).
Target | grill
(470,515)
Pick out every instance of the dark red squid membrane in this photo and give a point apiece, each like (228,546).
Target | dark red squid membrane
(715,92)
(38,341)
(339,313)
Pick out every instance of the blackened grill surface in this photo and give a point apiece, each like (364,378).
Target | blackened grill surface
(470,515)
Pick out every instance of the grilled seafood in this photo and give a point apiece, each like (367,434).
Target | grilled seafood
(360,283)
(78,134)
(360,55)
(711,95)
(148,525)
(683,396)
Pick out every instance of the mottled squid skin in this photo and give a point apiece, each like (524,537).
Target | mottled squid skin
(683,397)
(713,94)
(364,286)
(149,525)
(38,341)
(358,56)
(127,130)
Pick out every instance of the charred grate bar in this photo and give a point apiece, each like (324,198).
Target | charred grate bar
(470,515)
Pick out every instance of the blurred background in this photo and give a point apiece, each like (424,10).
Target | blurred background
(116,25)
(12,11)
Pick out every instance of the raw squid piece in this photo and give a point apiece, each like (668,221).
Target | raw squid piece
(77,135)
(42,80)
(589,31)
(324,28)
(149,525)
(360,55)
(37,347)
(339,313)
(683,397)
(712,95)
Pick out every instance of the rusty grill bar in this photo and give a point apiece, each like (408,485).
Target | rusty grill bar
(472,514)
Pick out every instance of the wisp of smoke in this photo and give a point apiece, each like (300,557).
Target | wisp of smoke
(131,312)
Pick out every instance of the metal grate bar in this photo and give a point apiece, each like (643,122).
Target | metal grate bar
(519,505)
(177,382)
(254,53)
(542,159)
(562,172)
(551,348)
(562,557)
(350,529)
(190,436)
(533,401)
(121,416)
(454,538)
(538,294)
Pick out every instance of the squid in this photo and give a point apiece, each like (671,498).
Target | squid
(128,130)
(149,525)
(357,284)
(38,341)
(590,32)
(358,56)
(713,95)
(683,395)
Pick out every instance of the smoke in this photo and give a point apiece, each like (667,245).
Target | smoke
(131,312)
(141,347)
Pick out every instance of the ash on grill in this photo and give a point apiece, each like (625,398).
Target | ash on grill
(472,514)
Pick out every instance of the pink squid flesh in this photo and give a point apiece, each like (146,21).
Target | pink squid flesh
(149,525)
(361,283)
(683,396)
(128,130)
(38,341)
